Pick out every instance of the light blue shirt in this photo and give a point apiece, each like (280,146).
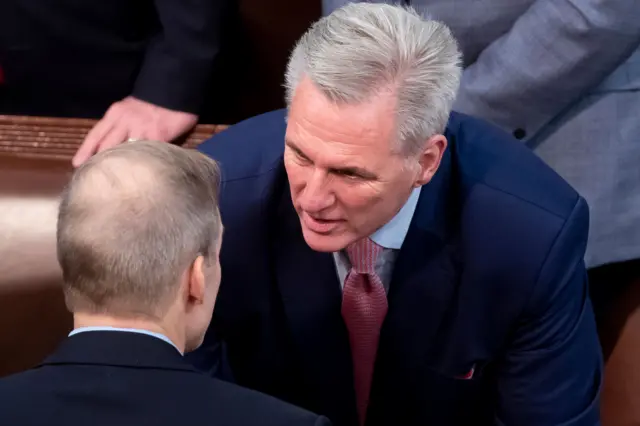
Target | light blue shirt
(390,237)
(126,330)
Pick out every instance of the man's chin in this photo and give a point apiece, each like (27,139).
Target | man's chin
(326,243)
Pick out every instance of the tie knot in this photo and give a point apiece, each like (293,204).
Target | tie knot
(363,255)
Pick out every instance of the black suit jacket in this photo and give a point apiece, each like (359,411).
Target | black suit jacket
(76,57)
(116,378)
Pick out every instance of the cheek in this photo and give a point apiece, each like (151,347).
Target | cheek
(358,198)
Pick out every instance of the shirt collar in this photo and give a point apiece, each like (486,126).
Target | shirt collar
(392,234)
(126,330)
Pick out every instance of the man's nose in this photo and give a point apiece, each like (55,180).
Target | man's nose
(317,194)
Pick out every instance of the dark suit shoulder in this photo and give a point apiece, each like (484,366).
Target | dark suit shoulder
(75,393)
(250,148)
(253,179)
(9,384)
(19,393)
(487,155)
(520,222)
(253,407)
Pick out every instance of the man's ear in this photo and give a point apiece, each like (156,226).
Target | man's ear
(430,158)
(197,283)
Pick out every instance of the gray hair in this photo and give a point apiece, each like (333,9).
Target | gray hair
(362,48)
(131,221)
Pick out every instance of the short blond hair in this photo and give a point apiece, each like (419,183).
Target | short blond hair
(130,222)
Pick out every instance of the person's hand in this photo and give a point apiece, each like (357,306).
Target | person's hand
(132,118)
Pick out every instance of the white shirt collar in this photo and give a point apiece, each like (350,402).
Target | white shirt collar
(126,330)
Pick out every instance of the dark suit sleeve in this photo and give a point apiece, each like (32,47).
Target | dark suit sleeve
(178,61)
(553,369)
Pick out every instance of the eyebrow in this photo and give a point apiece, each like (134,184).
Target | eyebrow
(295,148)
(366,174)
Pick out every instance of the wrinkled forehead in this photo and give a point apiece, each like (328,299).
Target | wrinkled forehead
(317,124)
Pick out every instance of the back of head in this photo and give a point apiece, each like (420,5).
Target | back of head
(131,221)
(362,48)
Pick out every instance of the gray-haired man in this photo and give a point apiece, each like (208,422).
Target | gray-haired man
(563,76)
(390,262)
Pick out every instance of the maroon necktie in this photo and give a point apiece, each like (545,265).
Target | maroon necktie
(364,306)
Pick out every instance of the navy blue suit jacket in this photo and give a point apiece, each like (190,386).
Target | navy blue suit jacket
(111,378)
(490,279)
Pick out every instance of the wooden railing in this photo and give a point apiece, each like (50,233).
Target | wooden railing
(59,138)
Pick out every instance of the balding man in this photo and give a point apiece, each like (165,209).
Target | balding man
(138,239)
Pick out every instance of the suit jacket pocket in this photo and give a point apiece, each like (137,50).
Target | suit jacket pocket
(459,399)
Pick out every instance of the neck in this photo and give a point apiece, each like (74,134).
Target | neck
(81,320)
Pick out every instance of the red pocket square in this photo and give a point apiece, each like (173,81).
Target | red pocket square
(469,374)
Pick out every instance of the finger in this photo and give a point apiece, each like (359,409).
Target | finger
(137,133)
(91,141)
(117,135)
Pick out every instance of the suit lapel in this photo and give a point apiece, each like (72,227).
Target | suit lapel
(312,299)
(423,285)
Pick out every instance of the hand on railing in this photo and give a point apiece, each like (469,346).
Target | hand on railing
(60,138)
(134,119)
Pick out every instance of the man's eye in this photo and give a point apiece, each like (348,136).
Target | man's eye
(348,174)
(303,159)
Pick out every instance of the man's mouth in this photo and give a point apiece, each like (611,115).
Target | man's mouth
(319,225)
